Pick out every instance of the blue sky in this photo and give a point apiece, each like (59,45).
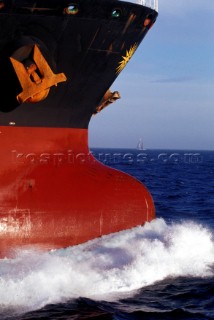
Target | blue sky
(167,88)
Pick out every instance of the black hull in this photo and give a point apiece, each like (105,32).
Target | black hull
(87,47)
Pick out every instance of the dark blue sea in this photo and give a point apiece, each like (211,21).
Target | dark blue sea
(162,270)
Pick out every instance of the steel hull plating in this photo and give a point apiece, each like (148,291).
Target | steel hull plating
(54,193)
(58,62)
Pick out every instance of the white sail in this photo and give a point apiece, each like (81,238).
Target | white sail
(140,144)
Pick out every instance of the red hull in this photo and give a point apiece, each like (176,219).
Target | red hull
(54,193)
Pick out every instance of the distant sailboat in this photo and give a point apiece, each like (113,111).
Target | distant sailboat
(140,144)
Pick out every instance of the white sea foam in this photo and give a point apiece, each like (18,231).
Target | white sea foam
(108,267)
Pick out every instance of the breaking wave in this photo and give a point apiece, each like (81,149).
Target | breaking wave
(107,268)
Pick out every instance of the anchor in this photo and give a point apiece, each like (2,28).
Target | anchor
(35,76)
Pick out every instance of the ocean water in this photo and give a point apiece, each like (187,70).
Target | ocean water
(162,270)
